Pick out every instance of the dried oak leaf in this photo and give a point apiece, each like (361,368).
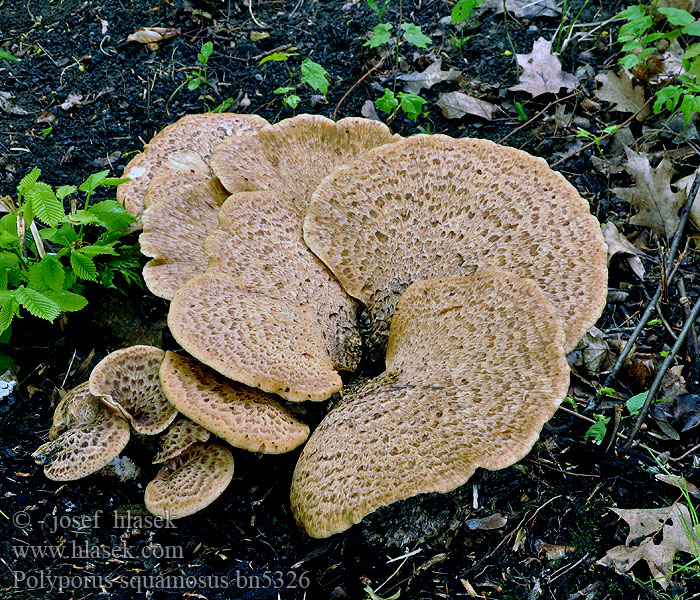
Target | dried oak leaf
(619,244)
(658,205)
(525,9)
(675,525)
(152,35)
(455,105)
(622,93)
(415,82)
(542,72)
(684,185)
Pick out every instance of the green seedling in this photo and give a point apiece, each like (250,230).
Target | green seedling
(522,115)
(312,74)
(598,430)
(410,104)
(596,139)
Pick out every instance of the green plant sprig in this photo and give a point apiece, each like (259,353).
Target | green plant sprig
(312,74)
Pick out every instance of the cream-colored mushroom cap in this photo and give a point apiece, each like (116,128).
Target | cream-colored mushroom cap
(191,481)
(127,379)
(292,156)
(86,435)
(174,230)
(475,367)
(250,337)
(245,417)
(434,206)
(185,145)
(178,437)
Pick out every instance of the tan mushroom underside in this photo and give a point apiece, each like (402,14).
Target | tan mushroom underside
(127,380)
(434,206)
(191,481)
(475,367)
(185,145)
(182,434)
(86,435)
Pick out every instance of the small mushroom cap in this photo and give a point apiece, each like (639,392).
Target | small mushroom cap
(86,435)
(185,145)
(475,367)
(292,156)
(191,481)
(178,437)
(259,242)
(252,338)
(245,417)
(174,230)
(127,380)
(433,206)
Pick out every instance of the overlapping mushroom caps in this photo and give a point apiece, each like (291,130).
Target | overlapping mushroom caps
(434,206)
(185,147)
(475,366)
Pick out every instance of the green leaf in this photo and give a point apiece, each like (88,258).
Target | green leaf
(7,313)
(28,181)
(388,102)
(45,206)
(83,266)
(205,52)
(278,57)
(463,9)
(380,35)
(114,181)
(82,217)
(8,261)
(630,61)
(194,83)
(414,35)
(315,75)
(292,101)
(37,303)
(52,272)
(667,97)
(96,250)
(65,190)
(111,215)
(68,301)
(93,181)
(283,90)
(5,55)
(596,431)
(635,403)
(411,104)
(635,11)
(65,236)
(677,16)
(693,29)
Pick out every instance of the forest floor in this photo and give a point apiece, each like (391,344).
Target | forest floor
(81,98)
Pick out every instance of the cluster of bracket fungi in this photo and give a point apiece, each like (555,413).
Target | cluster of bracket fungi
(473,266)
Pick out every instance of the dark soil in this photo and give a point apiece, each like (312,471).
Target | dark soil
(246,544)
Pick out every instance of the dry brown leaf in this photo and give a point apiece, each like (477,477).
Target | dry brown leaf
(658,205)
(620,91)
(415,82)
(675,525)
(71,101)
(152,35)
(525,9)
(684,185)
(455,105)
(593,353)
(619,244)
(542,72)
(680,482)
(7,107)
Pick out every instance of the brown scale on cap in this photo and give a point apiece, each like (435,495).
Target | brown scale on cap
(433,206)
(174,230)
(292,156)
(178,437)
(248,336)
(259,242)
(127,379)
(185,145)
(245,417)
(190,481)
(86,435)
(475,367)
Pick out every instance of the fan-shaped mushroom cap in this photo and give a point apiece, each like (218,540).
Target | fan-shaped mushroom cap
(475,367)
(174,230)
(292,156)
(248,336)
(178,437)
(127,380)
(166,184)
(186,145)
(245,417)
(433,206)
(86,435)
(190,481)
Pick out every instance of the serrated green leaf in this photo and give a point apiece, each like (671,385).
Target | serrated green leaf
(28,181)
(65,236)
(93,181)
(37,303)
(413,34)
(8,260)
(65,190)
(68,301)
(7,313)
(111,215)
(83,266)
(35,278)
(380,35)
(82,217)
(46,207)
(96,250)
(52,271)
(315,75)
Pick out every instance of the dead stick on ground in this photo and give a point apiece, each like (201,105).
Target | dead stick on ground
(537,116)
(358,82)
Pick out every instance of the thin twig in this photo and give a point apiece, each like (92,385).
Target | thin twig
(537,116)
(252,16)
(358,82)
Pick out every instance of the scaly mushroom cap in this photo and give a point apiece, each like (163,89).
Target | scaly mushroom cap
(292,156)
(475,367)
(127,380)
(166,184)
(174,230)
(178,437)
(245,417)
(263,342)
(433,206)
(190,481)
(186,145)
(86,435)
